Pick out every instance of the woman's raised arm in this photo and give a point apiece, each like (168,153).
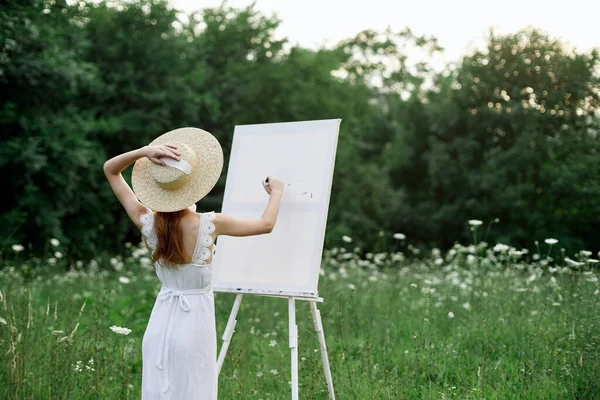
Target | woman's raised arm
(232,226)
(114,167)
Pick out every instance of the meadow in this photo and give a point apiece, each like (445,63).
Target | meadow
(478,321)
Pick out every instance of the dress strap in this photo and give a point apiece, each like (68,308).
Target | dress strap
(205,240)
(147,221)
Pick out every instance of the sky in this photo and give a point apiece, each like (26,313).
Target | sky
(459,25)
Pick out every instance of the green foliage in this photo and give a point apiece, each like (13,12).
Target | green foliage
(418,153)
(512,133)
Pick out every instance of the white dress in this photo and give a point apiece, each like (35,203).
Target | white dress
(179,348)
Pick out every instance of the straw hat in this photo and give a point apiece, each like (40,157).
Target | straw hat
(179,184)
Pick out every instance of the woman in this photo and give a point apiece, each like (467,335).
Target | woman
(179,348)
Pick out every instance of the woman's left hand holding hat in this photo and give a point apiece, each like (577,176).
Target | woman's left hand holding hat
(156,152)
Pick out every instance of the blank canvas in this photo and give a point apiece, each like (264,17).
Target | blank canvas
(286,261)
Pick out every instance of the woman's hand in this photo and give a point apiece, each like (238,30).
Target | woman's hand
(154,153)
(273,184)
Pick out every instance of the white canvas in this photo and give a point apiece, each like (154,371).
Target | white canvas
(286,261)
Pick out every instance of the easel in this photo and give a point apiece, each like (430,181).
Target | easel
(293,338)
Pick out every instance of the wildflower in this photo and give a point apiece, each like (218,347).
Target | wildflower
(274,372)
(586,253)
(54,242)
(466,306)
(597,291)
(413,285)
(347,239)
(351,286)
(120,331)
(52,260)
(77,366)
(515,253)
(425,290)
(450,314)
(3,321)
(573,262)
(406,351)
(399,236)
(439,261)
(58,254)
(17,248)
(123,279)
(475,222)
(551,241)
(592,261)
(372,278)
(500,248)
(259,374)
(272,343)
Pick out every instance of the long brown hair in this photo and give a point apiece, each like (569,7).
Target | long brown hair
(167,226)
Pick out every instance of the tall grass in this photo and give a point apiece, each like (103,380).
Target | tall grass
(477,322)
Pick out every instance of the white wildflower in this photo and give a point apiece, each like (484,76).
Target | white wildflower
(450,314)
(406,351)
(586,253)
(515,253)
(259,374)
(439,261)
(351,286)
(52,260)
(120,331)
(425,290)
(77,366)
(274,372)
(372,278)
(347,239)
(597,291)
(551,241)
(3,321)
(58,254)
(54,242)
(500,247)
(466,306)
(17,248)
(592,261)
(573,262)
(123,279)
(475,222)
(399,236)
(413,285)
(273,343)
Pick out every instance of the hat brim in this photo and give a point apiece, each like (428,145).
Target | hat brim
(201,180)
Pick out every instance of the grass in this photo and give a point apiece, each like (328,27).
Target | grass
(470,324)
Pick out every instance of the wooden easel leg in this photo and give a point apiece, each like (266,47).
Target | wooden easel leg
(229,331)
(321,335)
(293,332)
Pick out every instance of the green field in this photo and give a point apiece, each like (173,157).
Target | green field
(477,322)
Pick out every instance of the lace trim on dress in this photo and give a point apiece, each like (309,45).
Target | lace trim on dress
(147,220)
(206,240)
